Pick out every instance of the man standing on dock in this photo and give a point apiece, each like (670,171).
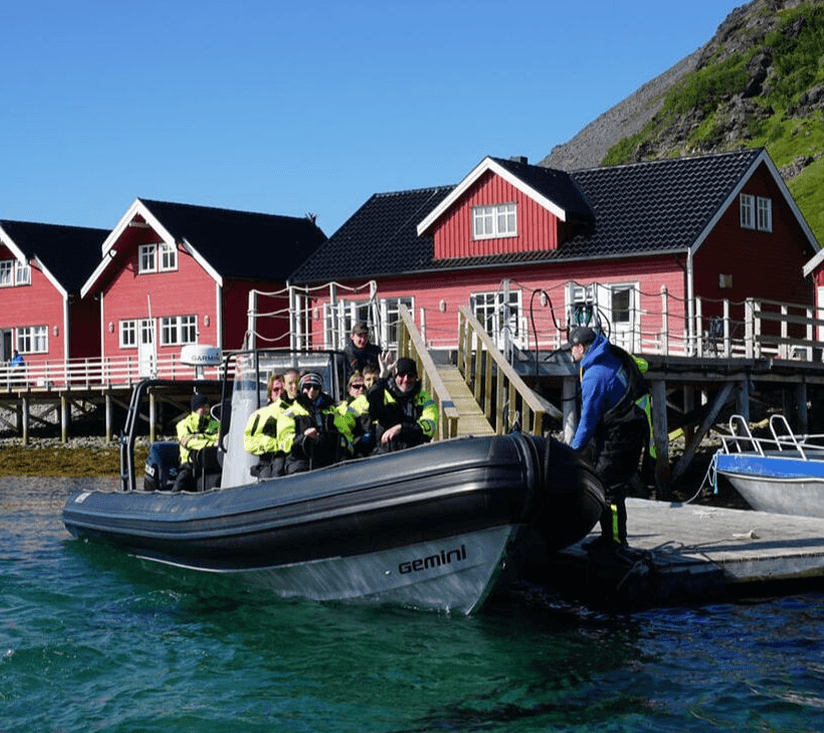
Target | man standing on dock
(611,386)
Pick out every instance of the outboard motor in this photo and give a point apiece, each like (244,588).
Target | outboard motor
(161,466)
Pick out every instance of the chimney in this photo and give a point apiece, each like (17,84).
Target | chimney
(520,159)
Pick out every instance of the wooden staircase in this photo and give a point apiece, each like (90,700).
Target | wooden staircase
(471,419)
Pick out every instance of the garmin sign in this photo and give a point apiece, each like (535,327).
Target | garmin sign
(199,355)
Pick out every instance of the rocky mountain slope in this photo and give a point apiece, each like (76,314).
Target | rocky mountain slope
(759,81)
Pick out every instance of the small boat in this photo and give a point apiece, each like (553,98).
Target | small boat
(782,473)
(432,527)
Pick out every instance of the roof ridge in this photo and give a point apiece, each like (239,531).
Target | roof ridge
(224,209)
(751,152)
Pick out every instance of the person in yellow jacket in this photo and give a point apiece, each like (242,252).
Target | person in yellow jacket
(357,406)
(312,433)
(260,435)
(197,433)
(404,414)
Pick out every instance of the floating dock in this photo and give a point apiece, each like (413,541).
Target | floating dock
(689,553)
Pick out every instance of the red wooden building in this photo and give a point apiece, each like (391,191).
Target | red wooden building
(175,274)
(656,252)
(42,270)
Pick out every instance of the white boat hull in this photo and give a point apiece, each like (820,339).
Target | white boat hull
(799,496)
(455,574)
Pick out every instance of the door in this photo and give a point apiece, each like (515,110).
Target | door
(147,354)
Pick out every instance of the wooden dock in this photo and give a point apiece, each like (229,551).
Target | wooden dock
(694,554)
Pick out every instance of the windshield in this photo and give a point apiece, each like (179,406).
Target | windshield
(252,371)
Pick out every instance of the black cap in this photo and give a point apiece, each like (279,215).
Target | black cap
(198,401)
(579,335)
(406,366)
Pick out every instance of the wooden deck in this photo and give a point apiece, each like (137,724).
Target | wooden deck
(694,554)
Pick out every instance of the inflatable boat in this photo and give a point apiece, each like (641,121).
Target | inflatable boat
(429,527)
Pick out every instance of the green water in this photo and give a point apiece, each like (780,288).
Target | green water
(93,640)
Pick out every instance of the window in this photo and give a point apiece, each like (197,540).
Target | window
(747,214)
(128,334)
(147,258)
(764,207)
(33,340)
(6,273)
(23,276)
(489,222)
(499,317)
(621,305)
(168,256)
(756,212)
(176,330)
(161,257)
(391,319)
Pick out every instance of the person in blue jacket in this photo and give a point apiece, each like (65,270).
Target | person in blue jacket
(612,420)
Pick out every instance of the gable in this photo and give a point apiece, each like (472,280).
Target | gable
(66,254)
(225,243)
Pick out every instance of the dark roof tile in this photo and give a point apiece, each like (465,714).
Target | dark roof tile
(240,243)
(658,206)
(70,253)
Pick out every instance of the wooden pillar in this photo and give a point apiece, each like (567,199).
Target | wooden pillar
(801,401)
(64,418)
(660,436)
(570,408)
(742,406)
(108,400)
(152,417)
(25,418)
(689,406)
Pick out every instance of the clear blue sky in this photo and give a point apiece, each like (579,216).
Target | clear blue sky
(296,107)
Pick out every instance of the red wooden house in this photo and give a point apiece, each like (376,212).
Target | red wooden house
(175,274)
(42,270)
(654,251)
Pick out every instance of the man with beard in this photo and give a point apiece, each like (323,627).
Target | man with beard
(404,414)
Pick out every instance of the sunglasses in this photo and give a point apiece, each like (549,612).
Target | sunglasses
(357,386)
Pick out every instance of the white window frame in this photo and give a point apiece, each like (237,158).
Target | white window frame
(6,273)
(128,334)
(166,257)
(390,319)
(746,202)
(146,258)
(495,222)
(500,320)
(22,274)
(157,257)
(32,339)
(588,304)
(178,330)
(764,214)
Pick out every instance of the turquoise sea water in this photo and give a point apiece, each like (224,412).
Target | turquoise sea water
(94,640)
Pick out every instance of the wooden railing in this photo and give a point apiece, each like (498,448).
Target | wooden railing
(504,397)
(410,344)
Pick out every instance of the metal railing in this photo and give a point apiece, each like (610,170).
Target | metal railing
(503,396)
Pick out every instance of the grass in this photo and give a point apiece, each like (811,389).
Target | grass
(68,461)
(798,65)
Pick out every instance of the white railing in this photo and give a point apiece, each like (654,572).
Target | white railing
(753,329)
(97,373)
